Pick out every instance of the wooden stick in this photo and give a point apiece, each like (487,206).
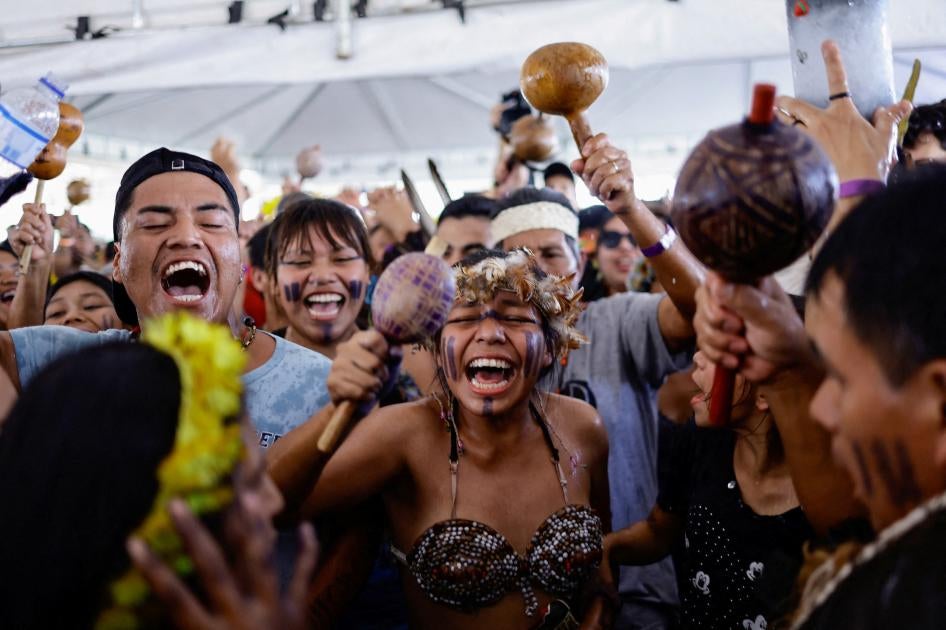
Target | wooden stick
(337,423)
(28,250)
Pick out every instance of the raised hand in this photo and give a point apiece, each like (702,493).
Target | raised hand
(606,171)
(243,596)
(35,228)
(859,149)
(359,369)
(754,329)
(393,210)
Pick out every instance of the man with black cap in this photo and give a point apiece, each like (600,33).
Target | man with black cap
(175,225)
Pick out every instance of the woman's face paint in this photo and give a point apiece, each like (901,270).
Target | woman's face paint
(355,289)
(293,291)
(534,352)
(492,353)
(323,288)
(449,357)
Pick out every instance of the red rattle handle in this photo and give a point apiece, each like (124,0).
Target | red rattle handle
(721,396)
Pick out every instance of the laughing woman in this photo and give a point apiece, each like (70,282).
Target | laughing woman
(319,264)
(496,494)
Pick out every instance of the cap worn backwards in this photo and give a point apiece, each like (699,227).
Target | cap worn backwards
(165,160)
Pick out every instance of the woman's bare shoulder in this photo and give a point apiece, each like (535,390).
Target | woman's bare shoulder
(577,419)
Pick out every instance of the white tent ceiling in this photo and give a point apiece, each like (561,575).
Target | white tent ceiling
(420,82)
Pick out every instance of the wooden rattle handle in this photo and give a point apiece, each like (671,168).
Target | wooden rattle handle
(581,130)
(28,250)
(336,424)
(720,409)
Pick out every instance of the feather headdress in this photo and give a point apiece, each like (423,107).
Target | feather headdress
(555,298)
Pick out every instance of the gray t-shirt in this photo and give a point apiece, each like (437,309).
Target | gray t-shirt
(619,373)
(281,394)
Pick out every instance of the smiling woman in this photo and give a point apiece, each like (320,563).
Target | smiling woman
(520,542)
(82,301)
(319,263)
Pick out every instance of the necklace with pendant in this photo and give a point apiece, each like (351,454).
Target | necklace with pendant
(250,334)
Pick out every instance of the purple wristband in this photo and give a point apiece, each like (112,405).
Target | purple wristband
(662,245)
(858,187)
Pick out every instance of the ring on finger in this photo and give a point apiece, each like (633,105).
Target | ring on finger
(839,95)
(614,165)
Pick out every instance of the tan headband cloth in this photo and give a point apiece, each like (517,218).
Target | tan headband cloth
(540,215)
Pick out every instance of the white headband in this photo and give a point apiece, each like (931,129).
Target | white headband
(540,215)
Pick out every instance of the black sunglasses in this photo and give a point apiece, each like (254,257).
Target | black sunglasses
(612,240)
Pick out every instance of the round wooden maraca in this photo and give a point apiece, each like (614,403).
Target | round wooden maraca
(309,162)
(533,139)
(750,199)
(410,302)
(78,191)
(564,79)
(51,161)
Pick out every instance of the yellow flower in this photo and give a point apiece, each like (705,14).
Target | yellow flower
(207,446)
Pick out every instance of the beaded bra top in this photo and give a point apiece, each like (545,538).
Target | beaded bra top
(467,564)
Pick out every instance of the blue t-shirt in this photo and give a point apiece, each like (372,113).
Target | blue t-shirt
(281,394)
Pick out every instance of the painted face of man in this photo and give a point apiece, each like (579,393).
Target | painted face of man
(492,353)
(890,438)
(179,248)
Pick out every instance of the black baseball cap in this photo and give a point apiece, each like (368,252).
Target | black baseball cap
(159,161)
(557,169)
(165,160)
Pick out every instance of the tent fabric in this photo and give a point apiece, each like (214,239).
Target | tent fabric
(630,34)
(421,85)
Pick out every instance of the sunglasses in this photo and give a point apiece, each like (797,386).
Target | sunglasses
(612,240)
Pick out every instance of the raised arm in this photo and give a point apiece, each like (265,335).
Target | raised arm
(607,172)
(758,331)
(860,149)
(36,229)
(313,481)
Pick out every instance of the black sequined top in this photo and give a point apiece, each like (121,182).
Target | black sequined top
(467,564)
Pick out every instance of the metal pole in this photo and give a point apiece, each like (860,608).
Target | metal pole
(343,45)
(137,14)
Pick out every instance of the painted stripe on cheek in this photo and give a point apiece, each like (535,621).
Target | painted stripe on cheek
(450,358)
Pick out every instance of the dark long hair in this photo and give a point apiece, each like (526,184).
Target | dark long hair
(78,459)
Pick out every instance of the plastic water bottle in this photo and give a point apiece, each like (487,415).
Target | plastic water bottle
(29,118)
(860,29)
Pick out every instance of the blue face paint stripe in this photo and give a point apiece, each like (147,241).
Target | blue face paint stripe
(450,358)
(532,354)
(355,287)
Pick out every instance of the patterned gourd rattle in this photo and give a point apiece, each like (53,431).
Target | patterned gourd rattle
(750,200)
(410,303)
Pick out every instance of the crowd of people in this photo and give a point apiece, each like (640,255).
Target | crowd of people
(546,459)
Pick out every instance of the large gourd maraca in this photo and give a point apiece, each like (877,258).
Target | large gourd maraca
(51,161)
(750,199)
(564,79)
(410,302)
(533,139)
